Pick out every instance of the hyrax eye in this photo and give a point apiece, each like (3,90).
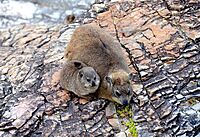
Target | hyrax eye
(88,80)
(80,74)
(118,93)
(94,78)
(128,91)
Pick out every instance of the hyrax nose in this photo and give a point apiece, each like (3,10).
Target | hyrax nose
(93,84)
(125,102)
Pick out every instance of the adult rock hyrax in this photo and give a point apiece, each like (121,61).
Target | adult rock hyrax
(99,50)
(78,78)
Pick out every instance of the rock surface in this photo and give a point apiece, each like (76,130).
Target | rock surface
(161,40)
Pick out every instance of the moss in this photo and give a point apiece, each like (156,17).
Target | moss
(132,128)
(126,112)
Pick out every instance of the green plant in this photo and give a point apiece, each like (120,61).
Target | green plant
(126,112)
(132,128)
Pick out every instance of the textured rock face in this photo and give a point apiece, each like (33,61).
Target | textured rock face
(162,47)
(31,100)
(162,42)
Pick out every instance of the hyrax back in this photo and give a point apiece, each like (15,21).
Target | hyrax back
(78,78)
(99,50)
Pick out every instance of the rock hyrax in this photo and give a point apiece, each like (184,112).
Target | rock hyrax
(99,50)
(78,78)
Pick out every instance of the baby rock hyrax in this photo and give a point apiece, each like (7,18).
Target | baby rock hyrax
(78,78)
(99,50)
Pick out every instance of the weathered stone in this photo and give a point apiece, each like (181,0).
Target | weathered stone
(121,134)
(137,88)
(99,7)
(143,73)
(139,118)
(164,13)
(128,134)
(110,110)
(114,122)
(143,99)
(160,41)
(83,101)
(179,96)
(22,109)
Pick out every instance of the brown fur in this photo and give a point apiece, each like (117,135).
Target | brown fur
(98,49)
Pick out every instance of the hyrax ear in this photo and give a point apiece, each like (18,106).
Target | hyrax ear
(109,80)
(78,65)
(130,76)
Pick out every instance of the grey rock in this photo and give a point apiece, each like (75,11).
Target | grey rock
(99,8)
(110,110)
